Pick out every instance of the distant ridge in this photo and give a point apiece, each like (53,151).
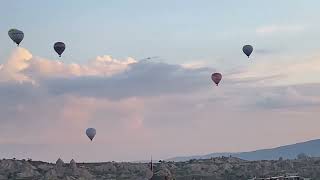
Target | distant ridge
(310,148)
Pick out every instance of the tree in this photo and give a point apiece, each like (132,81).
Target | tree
(302,156)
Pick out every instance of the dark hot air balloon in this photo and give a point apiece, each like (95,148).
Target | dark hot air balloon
(16,35)
(91,132)
(247,49)
(59,47)
(216,78)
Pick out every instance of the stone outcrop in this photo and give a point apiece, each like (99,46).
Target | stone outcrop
(215,168)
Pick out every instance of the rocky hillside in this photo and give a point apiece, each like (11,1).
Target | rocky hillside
(222,168)
(311,148)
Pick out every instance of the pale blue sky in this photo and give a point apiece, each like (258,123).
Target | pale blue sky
(178,31)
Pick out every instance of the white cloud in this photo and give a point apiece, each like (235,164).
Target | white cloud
(12,69)
(23,67)
(100,66)
(272,29)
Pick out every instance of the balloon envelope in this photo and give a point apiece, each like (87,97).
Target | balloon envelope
(216,78)
(247,49)
(59,47)
(91,132)
(16,35)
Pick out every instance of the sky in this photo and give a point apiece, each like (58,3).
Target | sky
(166,106)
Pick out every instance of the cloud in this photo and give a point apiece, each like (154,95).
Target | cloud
(101,66)
(288,98)
(272,29)
(194,65)
(112,79)
(280,71)
(148,106)
(143,79)
(105,76)
(23,67)
(12,69)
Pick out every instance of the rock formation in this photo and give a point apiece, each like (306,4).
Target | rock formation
(215,168)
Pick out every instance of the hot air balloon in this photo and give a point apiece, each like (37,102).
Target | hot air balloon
(247,49)
(216,78)
(91,132)
(16,35)
(59,47)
